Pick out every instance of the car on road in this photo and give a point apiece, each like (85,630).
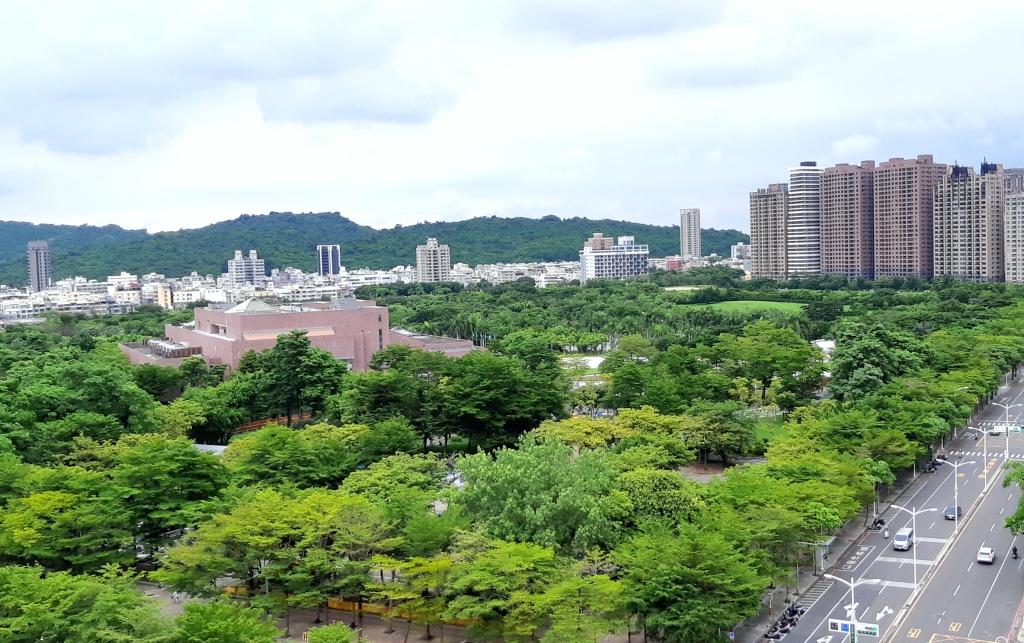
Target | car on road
(986,555)
(903,539)
(997,430)
(952,512)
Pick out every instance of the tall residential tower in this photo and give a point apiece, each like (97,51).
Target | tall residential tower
(433,262)
(768,231)
(689,233)
(967,225)
(904,207)
(40,270)
(847,220)
(803,220)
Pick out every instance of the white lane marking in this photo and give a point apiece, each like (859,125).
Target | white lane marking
(902,561)
(906,521)
(956,590)
(924,539)
(981,609)
(931,526)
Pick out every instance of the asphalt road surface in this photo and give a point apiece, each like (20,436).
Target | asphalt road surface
(959,600)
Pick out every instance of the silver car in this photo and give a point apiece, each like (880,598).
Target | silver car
(986,555)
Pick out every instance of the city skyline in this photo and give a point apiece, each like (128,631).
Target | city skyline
(394,121)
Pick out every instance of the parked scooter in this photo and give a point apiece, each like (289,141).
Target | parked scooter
(1013,552)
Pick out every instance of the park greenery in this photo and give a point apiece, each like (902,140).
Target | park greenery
(505,493)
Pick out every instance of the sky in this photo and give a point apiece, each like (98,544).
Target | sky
(179,114)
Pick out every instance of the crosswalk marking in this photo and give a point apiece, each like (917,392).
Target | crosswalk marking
(991,454)
(814,592)
(896,559)
(931,540)
(899,584)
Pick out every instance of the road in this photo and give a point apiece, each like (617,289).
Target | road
(959,600)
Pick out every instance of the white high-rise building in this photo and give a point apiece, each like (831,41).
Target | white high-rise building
(328,260)
(433,262)
(803,220)
(689,233)
(246,270)
(600,259)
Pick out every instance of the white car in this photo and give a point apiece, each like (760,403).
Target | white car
(997,430)
(986,555)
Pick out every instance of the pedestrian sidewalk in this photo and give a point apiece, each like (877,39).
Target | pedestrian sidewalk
(752,630)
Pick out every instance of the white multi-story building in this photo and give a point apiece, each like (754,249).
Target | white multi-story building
(433,262)
(601,259)
(246,270)
(803,220)
(689,233)
(740,251)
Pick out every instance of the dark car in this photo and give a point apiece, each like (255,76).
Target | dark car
(952,513)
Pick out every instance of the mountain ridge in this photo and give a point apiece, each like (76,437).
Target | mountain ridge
(289,239)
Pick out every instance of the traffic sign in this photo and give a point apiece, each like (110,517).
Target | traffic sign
(838,625)
(867,629)
(847,627)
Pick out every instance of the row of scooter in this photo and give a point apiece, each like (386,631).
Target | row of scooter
(786,622)
(932,466)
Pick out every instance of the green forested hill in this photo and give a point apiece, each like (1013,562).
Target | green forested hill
(287,239)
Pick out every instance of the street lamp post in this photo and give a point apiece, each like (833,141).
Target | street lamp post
(956,490)
(853,601)
(1006,425)
(984,447)
(913,518)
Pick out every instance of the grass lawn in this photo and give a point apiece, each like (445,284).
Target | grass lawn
(769,429)
(746,306)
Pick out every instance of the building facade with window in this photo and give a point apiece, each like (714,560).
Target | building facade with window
(848,220)
(967,224)
(602,259)
(768,208)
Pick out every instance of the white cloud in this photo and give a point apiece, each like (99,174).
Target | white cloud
(855,145)
(395,112)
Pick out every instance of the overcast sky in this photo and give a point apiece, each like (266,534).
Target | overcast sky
(177,114)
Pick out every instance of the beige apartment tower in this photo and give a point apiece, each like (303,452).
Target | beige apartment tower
(433,262)
(904,206)
(1014,180)
(768,208)
(689,233)
(848,220)
(967,225)
(1013,238)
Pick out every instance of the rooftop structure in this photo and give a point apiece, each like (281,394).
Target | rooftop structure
(349,329)
(448,346)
